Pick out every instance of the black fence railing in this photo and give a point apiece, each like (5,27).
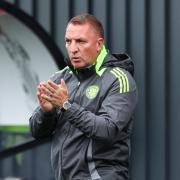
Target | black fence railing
(22,147)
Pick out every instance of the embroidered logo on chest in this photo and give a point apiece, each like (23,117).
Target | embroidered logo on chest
(92,91)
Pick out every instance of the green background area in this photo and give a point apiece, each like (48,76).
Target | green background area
(15,129)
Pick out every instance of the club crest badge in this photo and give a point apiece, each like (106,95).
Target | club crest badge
(92,91)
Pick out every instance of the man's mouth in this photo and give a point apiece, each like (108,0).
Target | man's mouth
(75,59)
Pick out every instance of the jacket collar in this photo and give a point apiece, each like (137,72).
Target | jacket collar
(89,71)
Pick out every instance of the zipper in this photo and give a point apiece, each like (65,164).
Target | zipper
(78,85)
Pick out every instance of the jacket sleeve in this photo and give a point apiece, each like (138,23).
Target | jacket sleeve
(42,124)
(113,115)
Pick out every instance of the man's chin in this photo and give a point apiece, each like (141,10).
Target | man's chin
(78,66)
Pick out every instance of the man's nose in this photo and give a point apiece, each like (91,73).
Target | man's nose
(74,48)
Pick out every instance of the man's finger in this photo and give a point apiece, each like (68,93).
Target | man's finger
(52,84)
(63,84)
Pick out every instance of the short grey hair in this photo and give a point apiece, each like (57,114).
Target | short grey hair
(88,18)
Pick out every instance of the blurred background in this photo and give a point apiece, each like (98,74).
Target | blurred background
(149,31)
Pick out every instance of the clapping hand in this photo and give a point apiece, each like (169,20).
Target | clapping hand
(52,95)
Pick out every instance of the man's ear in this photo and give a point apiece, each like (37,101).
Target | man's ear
(100,44)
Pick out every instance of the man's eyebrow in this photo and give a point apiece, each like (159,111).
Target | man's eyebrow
(76,39)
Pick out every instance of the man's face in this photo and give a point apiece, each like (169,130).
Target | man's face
(83,44)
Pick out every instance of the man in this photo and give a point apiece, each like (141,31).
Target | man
(87,107)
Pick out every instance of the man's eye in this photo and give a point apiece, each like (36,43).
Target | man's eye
(68,41)
(81,42)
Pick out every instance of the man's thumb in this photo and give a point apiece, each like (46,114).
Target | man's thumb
(63,84)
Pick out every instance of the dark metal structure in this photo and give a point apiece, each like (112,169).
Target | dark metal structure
(149,31)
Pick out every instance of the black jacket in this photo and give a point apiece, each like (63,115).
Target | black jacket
(91,140)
